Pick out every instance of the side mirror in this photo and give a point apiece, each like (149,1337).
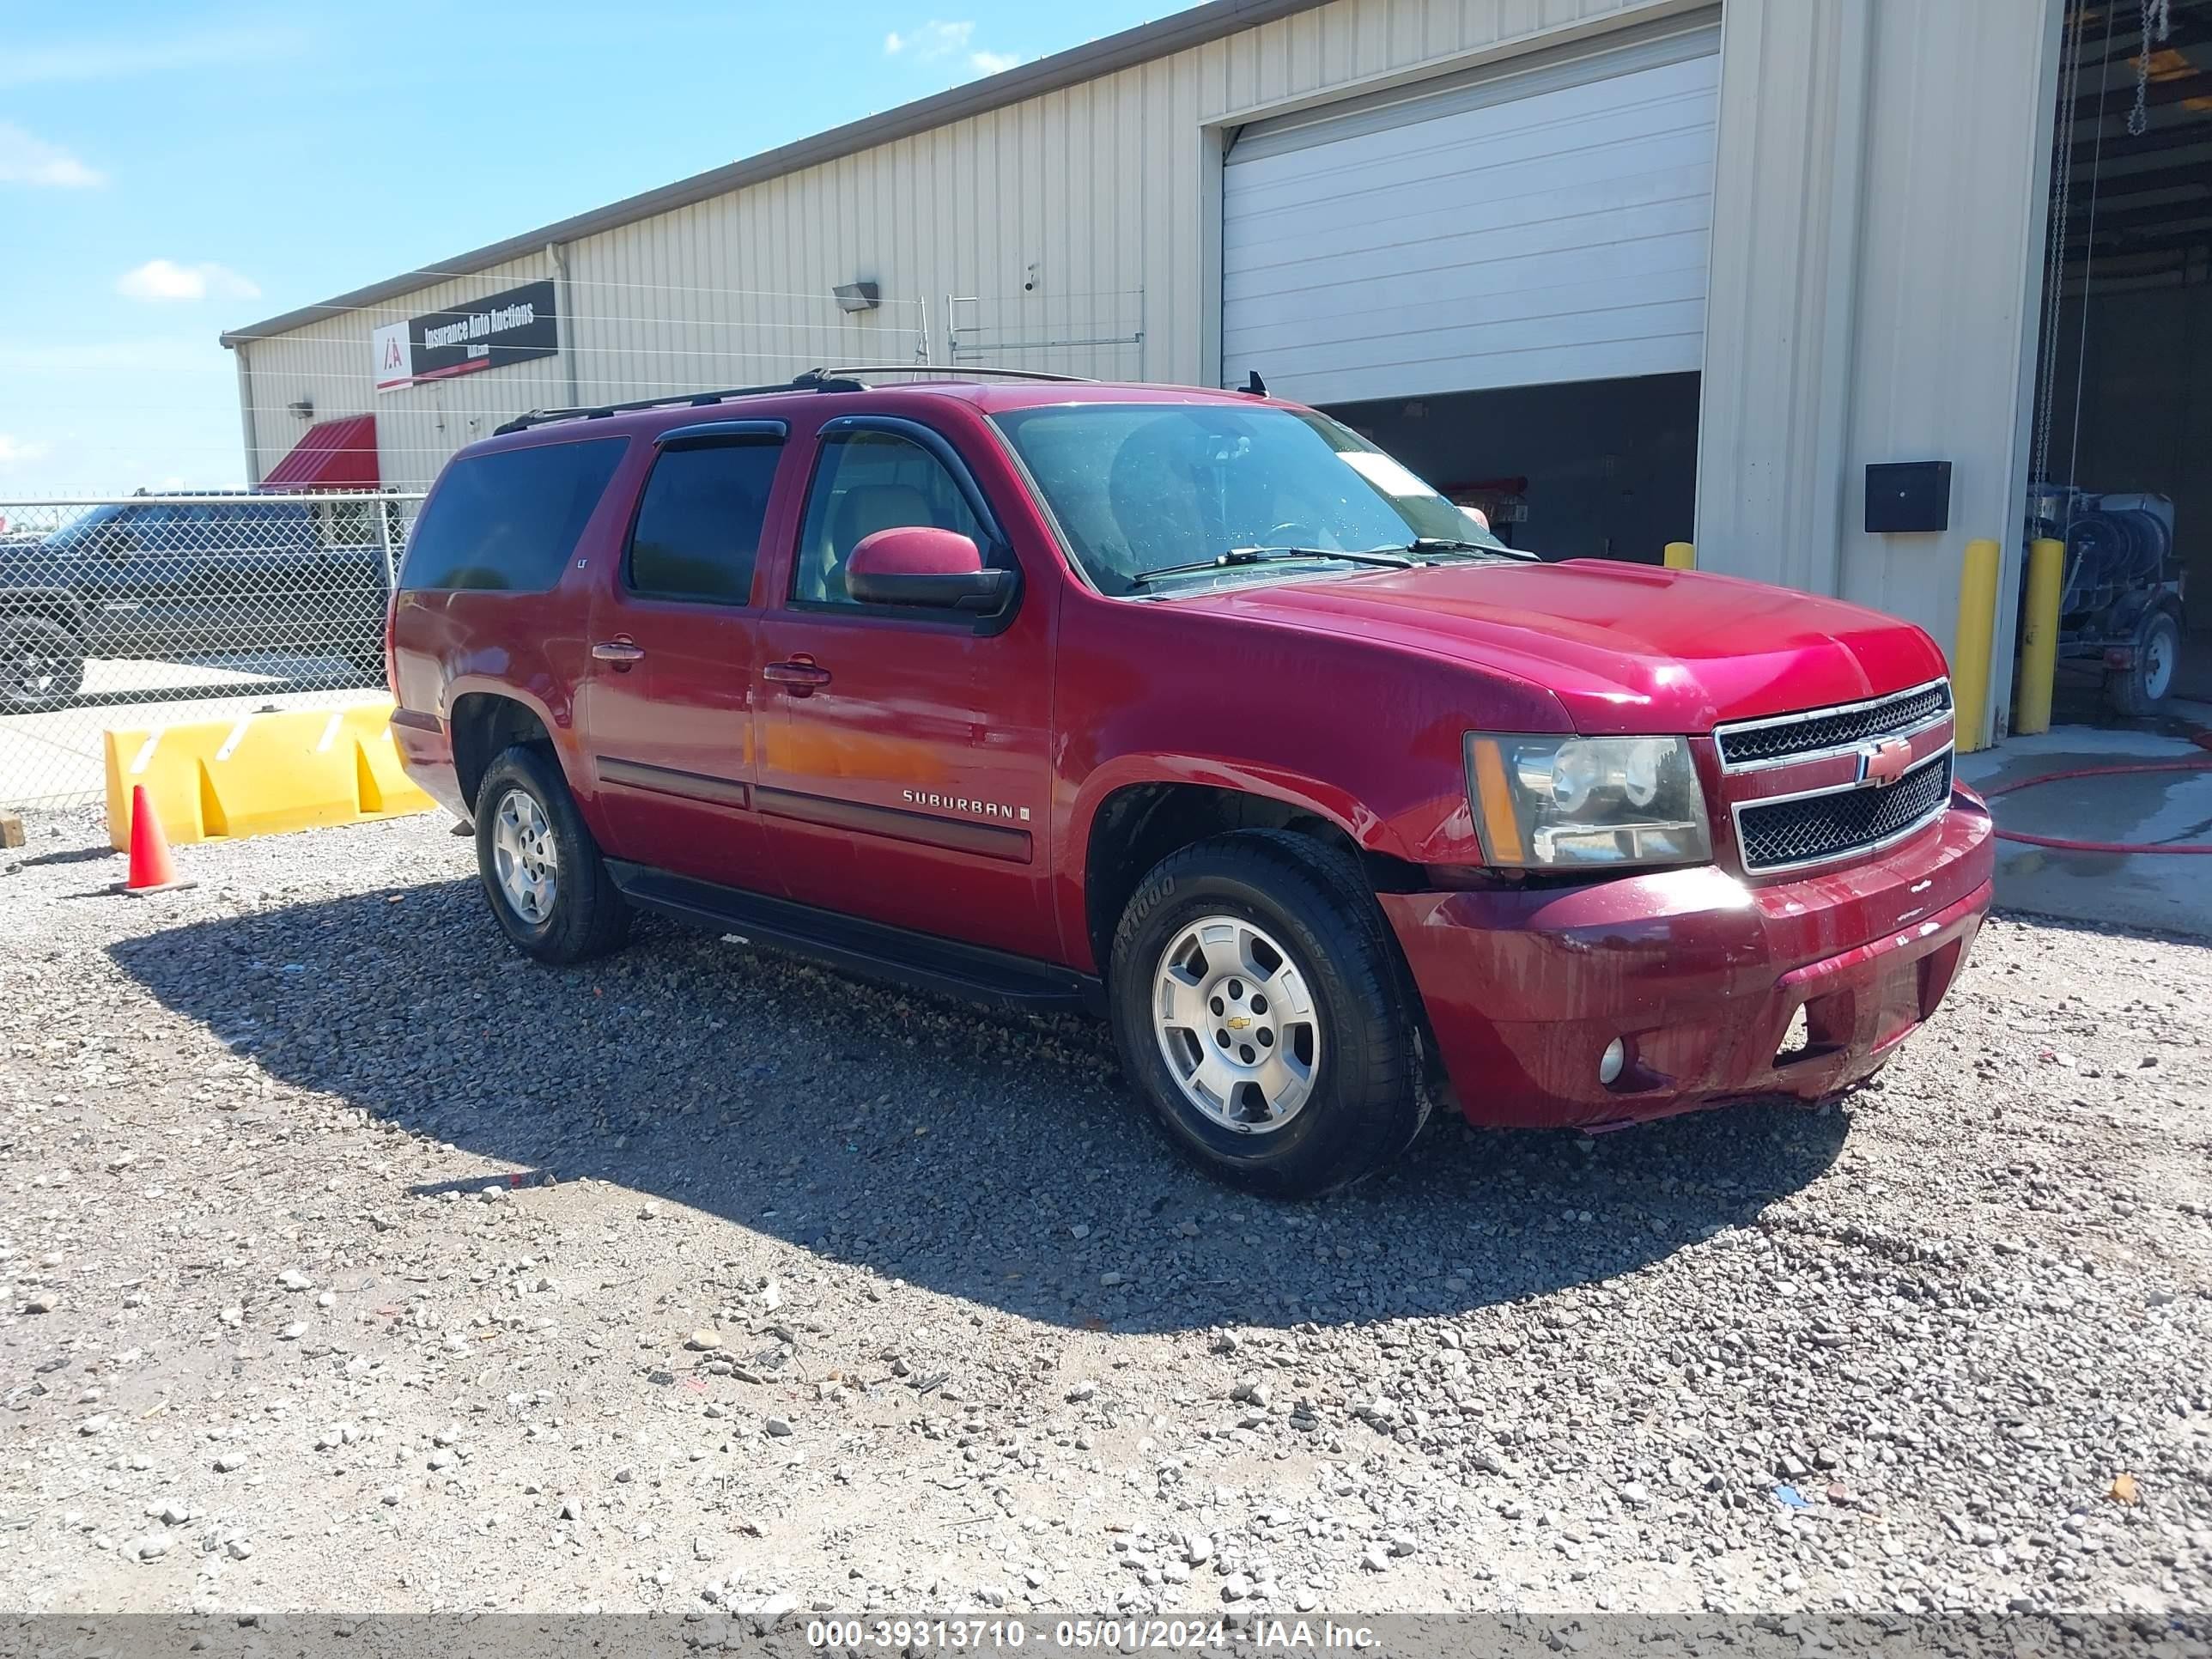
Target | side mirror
(920,564)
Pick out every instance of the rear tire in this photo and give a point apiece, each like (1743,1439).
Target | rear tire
(41,665)
(2137,689)
(1317,1086)
(542,872)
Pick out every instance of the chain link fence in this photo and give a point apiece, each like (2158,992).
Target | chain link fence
(147,609)
(125,611)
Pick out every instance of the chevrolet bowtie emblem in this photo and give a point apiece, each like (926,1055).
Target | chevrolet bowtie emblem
(1883,763)
(1237,1022)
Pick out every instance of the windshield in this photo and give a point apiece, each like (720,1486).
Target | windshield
(87,526)
(1141,488)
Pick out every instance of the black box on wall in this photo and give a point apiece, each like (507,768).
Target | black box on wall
(1908,497)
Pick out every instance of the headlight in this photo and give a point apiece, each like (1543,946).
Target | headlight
(1587,802)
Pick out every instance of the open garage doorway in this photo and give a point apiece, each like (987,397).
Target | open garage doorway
(1591,469)
(2121,457)
(1499,276)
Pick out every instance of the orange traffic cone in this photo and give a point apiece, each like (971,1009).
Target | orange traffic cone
(152,869)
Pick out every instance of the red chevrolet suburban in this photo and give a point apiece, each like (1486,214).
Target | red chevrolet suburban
(1195,707)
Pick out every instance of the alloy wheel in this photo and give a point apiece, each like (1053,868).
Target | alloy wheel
(1237,1024)
(525,856)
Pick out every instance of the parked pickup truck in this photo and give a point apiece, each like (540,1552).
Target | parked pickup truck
(174,577)
(1194,707)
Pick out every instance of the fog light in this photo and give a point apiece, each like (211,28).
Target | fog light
(1610,1062)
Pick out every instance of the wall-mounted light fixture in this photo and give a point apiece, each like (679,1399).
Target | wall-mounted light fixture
(856,296)
(304,408)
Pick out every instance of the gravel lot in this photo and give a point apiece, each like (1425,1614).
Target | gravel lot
(353,1262)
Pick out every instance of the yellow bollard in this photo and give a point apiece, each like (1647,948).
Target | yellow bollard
(1970,662)
(1680,556)
(2038,642)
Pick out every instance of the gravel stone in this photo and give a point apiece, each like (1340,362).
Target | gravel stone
(1964,1316)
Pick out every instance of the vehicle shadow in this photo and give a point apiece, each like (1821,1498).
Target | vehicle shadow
(993,1157)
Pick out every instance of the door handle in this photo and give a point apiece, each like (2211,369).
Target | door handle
(800,676)
(618,651)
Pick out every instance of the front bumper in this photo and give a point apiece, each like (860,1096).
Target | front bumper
(1701,974)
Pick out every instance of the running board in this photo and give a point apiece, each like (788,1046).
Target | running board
(869,949)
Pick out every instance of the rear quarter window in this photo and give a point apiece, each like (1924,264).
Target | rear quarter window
(507,522)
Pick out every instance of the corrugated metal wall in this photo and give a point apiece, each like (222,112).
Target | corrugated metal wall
(329,366)
(1878,221)
(1101,194)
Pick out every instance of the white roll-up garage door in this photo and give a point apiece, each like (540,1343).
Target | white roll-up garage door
(1512,229)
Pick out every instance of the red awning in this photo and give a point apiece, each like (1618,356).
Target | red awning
(334,455)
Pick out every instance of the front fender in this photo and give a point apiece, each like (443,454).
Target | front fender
(1331,803)
(1315,796)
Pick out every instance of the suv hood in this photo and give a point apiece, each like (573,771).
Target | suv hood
(1625,649)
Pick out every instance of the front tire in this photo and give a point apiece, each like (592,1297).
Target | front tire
(1259,1007)
(542,872)
(41,665)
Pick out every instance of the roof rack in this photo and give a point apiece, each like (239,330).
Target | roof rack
(815,380)
(964,371)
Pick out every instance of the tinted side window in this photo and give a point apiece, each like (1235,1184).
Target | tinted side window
(509,521)
(699,523)
(867,481)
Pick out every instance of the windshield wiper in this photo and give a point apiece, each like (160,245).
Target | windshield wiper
(1390,558)
(1449,545)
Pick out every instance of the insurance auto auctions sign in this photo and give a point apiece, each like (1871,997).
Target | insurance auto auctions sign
(512,327)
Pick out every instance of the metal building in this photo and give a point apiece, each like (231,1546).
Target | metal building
(1622,270)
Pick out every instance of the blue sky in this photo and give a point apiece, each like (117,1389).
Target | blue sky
(167,171)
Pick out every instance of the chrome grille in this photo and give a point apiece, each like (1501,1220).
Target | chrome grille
(1820,731)
(1840,823)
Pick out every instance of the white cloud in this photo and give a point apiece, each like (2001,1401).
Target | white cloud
(932,40)
(165,279)
(28,160)
(18,452)
(115,57)
(937,39)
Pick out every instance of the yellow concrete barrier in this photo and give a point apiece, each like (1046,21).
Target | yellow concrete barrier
(1680,556)
(1970,662)
(260,775)
(2038,642)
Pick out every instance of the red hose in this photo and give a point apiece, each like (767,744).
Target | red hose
(2202,740)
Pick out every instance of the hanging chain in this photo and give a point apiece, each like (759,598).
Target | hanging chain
(2157,18)
(2062,193)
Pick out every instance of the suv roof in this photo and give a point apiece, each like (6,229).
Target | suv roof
(987,389)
